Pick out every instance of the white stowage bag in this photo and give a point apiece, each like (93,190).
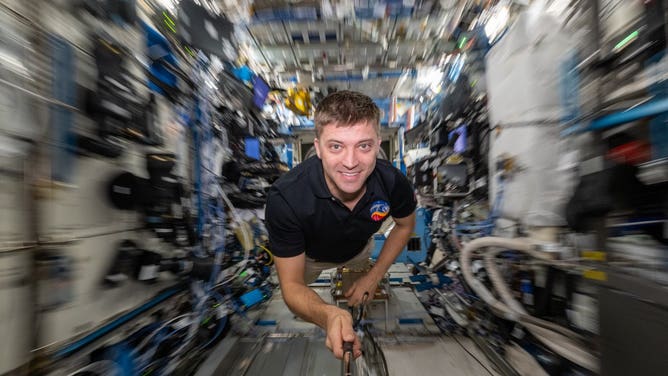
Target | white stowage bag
(524,69)
(524,73)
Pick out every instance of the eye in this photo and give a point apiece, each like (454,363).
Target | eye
(335,147)
(365,146)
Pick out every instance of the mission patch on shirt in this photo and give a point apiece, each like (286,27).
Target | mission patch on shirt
(303,216)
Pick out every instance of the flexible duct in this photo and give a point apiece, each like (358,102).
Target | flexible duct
(547,332)
(507,296)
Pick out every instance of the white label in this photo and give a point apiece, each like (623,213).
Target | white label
(117,277)
(148,272)
(122,190)
(591,166)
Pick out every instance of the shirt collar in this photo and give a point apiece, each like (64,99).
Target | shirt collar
(317,180)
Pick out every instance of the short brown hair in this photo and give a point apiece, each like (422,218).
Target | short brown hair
(346,108)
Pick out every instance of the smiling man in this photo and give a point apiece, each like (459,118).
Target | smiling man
(323,213)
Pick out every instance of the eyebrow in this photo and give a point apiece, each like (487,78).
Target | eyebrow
(359,142)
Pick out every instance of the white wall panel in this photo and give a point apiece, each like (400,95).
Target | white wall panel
(92,303)
(77,211)
(13,210)
(15,321)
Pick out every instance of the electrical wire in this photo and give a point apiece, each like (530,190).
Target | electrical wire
(271,255)
(211,213)
(233,210)
(478,228)
(209,185)
(240,269)
(221,326)
(146,367)
(180,351)
(148,338)
(472,356)
(374,351)
(241,266)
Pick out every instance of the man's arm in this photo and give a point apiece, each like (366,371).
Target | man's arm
(394,244)
(305,303)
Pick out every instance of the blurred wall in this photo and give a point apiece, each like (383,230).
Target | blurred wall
(74,220)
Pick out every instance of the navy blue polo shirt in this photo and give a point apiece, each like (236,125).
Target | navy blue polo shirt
(303,216)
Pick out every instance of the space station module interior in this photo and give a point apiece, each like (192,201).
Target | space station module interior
(139,140)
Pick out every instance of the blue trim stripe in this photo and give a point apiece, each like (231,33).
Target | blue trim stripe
(103,331)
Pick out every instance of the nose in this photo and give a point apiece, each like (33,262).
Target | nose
(350,159)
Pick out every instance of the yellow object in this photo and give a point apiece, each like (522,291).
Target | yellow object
(245,235)
(454,159)
(271,255)
(596,275)
(299,101)
(509,164)
(593,255)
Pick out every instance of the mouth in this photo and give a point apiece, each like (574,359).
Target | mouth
(350,175)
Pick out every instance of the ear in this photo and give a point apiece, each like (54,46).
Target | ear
(316,144)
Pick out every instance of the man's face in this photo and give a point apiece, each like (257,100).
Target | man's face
(348,155)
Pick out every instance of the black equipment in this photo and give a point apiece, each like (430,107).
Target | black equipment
(206,31)
(158,197)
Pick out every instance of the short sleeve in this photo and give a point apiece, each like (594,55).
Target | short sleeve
(402,197)
(286,238)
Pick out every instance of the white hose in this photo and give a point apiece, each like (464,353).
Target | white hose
(547,332)
(495,276)
(480,289)
(508,298)
(233,210)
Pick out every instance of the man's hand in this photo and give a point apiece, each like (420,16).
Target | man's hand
(366,284)
(394,244)
(308,305)
(339,330)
